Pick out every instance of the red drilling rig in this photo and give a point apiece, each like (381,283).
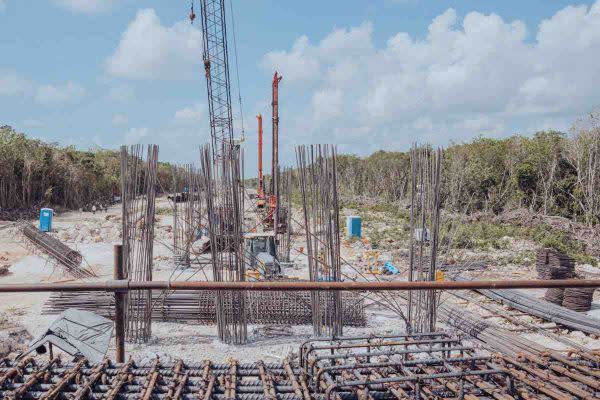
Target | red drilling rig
(274,212)
(261,184)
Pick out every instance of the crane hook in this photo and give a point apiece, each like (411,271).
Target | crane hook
(192,15)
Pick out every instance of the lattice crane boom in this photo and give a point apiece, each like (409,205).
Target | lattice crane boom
(216,66)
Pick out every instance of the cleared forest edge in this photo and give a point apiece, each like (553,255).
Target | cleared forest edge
(550,173)
(35,174)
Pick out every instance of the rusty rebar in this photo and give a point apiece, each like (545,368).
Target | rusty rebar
(114,286)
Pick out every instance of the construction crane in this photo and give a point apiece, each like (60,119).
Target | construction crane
(225,150)
(216,68)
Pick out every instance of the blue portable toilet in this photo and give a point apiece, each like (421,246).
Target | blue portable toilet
(46,219)
(354,226)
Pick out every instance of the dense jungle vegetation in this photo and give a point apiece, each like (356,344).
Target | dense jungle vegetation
(34,173)
(552,173)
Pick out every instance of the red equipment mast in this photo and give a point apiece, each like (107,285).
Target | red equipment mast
(275,159)
(274,198)
(261,185)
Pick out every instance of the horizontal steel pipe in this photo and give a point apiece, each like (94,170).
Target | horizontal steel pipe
(115,286)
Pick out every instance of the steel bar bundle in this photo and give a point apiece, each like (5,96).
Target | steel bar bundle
(268,307)
(67,259)
(513,317)
(549,374)
(424,240)
(138,192)
(545,310)
(552,264)
(578,299)
(318,187)
(465,266)
(555,295)
(224,206)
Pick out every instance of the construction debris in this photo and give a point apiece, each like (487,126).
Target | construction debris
(273,331)
(67,259)
(78,333)
(20,214)
(13,337)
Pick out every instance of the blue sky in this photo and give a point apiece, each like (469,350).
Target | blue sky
(366,75)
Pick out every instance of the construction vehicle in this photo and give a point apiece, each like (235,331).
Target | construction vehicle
(261,247)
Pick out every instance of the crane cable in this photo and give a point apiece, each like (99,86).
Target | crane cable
(237,71)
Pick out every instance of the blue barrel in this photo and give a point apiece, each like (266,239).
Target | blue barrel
(354,226)
(46,219)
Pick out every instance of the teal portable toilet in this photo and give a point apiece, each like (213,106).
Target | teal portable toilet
(46,219)
(353,226)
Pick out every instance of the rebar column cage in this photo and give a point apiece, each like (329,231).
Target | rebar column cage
(138,192)
(318,187)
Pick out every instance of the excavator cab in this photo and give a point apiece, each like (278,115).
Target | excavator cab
(261,249)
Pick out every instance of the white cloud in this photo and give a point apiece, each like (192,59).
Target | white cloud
(297,64)
(32,123)
(121,94)
(327,104)
(119,119)
(149,50)
(194,113)
(2,5)
(85,6)
(13,84)
(135,135)
(58,95)
(472,74)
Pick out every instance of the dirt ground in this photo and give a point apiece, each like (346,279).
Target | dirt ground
(94,236)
